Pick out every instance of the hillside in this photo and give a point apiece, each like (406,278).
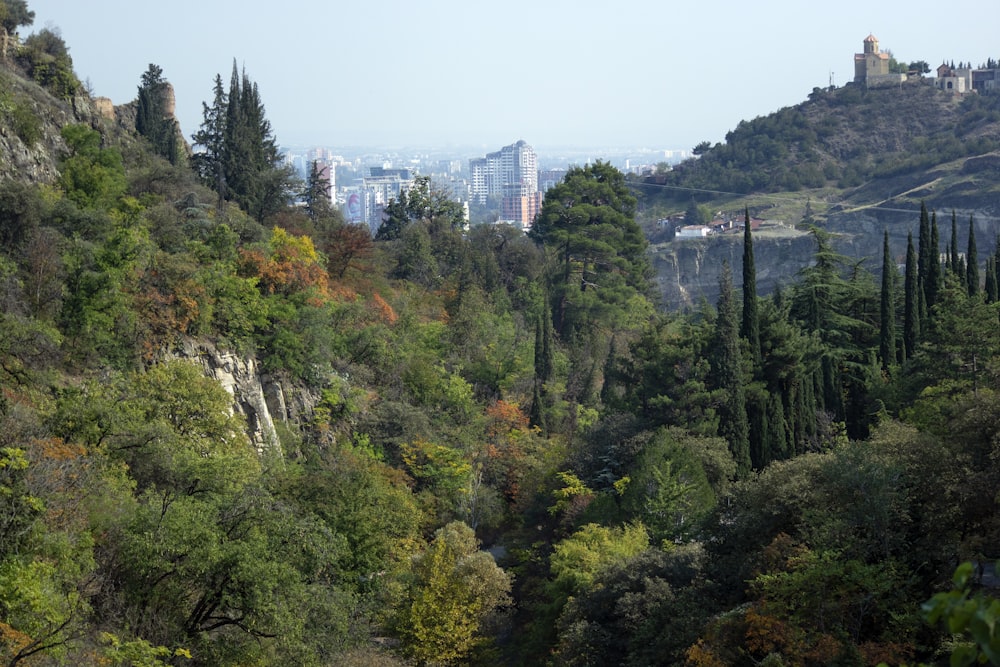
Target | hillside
(238,430)
(845,140)
(855,162)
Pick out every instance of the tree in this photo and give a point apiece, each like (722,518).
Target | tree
(975,616)
(887,311)
(923,252)
(953,251)
(14,14)
(92,176)
(750,328)
(209,163)
(453,588)
(45,57)
(911,308)
(992,289)
(728,368)
(153,119)
(422,202)
(317,192)
(972,261)
(241,155)
(588,223)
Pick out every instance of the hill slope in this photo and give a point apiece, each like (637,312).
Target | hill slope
(856,162)
(845,140)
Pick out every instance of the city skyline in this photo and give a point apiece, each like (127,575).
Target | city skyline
(557,74)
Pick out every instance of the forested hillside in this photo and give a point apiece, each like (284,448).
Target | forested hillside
(504,453)
(844,138)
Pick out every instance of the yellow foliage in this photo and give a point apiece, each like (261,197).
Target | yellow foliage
(700,655)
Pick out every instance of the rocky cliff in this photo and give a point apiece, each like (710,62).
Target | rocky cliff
(688,270)
(261,399)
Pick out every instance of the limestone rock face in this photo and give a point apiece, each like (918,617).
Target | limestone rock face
(241,378)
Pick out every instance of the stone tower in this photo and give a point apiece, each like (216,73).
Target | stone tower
(872,64)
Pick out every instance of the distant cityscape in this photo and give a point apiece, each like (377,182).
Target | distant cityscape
(505,185)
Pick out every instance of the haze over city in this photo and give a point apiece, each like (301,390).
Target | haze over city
(450,73)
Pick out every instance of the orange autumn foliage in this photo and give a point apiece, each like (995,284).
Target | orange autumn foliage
(383,310)
(286,264)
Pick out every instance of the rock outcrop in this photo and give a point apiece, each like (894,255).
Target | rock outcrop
(240,376)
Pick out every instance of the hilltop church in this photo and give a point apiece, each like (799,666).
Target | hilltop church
(871,68)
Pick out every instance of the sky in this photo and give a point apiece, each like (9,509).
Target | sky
(658,74)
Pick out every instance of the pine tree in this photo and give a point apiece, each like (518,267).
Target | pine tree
(972,261)
(241,160)
(751,320)
(911,306)
(209,163)
(887,330)
(317,193)
(728,368)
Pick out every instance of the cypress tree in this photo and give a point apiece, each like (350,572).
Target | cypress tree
(151,119)
(972,261)
(733,426)
(953,252)
(991,280)
(887,331)
(911,314)
(751,320)
(536,416)
(933,283)
(759,431)
(923,247)
(779,448)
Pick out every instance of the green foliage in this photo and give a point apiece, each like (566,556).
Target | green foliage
(974,617)
(644,610)
(452,589)
(598,251)
(19,114)
(669,487)
(92,176)
(241,160)
(14,14)
(45,58)
(138,653)
(152,118)
(727,364)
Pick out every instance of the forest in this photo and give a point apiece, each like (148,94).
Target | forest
(513,454)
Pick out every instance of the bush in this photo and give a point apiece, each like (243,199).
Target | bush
(45,59)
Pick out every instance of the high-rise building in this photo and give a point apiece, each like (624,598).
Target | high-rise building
(511,174)
(377,189)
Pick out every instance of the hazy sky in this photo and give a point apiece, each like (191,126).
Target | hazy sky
(556,73)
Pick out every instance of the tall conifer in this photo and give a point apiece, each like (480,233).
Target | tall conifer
(991,280)
(953,251)
(887,331)
(923,247)
(152,119)
(751,320)
(933,283)
(209,163)
(972,261)
(733,425)
(911,306)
